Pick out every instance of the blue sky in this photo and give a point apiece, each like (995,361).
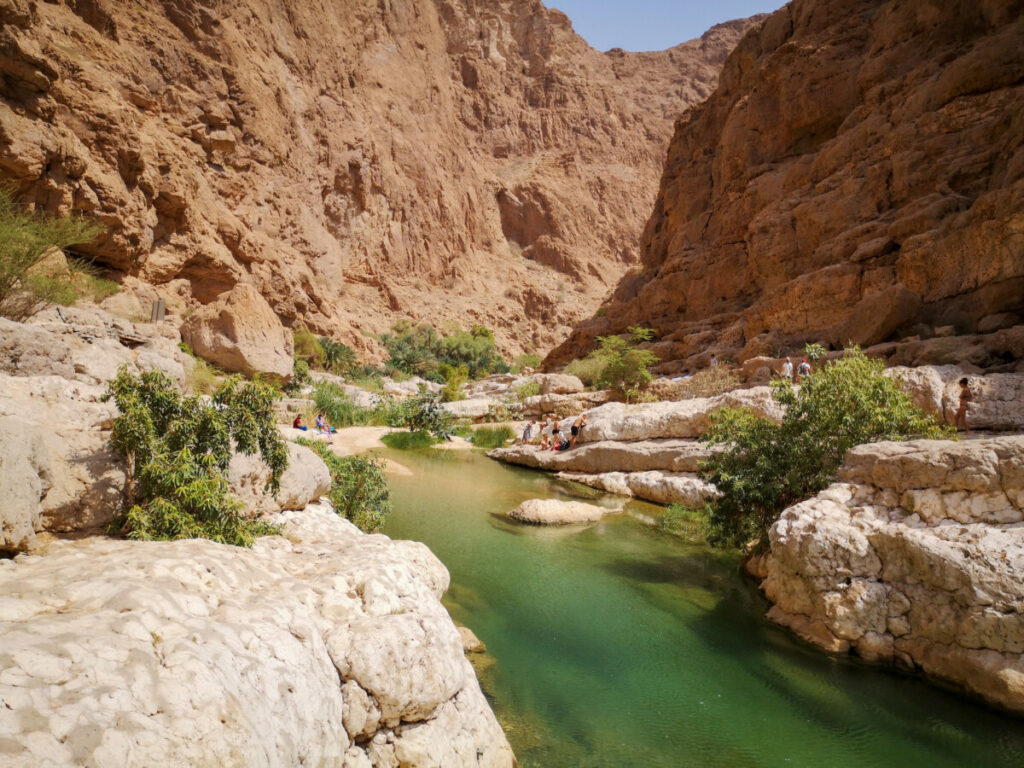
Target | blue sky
(652,25)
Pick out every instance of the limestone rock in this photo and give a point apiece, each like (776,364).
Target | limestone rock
(681,419)
(557,512)
(559,384)
(913,557)
(845,182)
(240,333)
(610,456)
(476,408)
(654,485)
(196,653)
(306,480)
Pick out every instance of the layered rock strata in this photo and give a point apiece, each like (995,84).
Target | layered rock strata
(323,647)
(912,558)
(650,451)
(858,175)
(350,160)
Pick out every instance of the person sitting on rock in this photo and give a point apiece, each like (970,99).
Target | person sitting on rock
(528,432)
(544,433)
(297,424)
(577,425)
(323,426)
(556,436)
(965,400)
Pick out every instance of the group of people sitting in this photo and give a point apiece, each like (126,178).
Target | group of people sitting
(552,435)
(323,427)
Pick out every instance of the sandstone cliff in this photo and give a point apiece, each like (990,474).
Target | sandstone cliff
(858,175)
(353,160)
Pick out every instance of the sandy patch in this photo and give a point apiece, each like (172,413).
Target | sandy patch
(353,440)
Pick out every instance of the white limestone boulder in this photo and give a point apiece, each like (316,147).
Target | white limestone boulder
(304,481)
(557,512)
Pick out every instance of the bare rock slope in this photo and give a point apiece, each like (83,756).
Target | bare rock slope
(353,160)
(121,653)
(858,175)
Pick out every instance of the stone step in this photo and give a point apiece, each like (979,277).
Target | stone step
(655,485)
(611,456)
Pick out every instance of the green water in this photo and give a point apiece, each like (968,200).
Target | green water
(616,645)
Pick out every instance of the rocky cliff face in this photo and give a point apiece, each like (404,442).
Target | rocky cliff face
(858,175)
(353,160)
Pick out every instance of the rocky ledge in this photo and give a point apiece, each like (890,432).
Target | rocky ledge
(913,559)
(325,646)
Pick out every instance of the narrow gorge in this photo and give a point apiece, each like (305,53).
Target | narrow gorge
(366,400)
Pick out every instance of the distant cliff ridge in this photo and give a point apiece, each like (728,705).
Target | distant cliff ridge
(354,160)
(858,175)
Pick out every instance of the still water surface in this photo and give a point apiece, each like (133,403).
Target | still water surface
(616,645)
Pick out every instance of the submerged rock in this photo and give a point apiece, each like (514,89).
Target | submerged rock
(323,647)
(557,512)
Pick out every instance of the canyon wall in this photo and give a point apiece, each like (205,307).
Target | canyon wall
(353,160)
(858,175)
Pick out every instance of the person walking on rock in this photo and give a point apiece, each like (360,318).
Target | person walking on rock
(804,369)
(577,425)
(965,400)
(787,369)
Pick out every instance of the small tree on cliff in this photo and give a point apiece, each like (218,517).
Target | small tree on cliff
(766,467)
(177,450)
(26,242)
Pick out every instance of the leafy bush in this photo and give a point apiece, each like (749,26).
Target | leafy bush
(27,240)
(421,351)
(341,411)
(523,391)
(425,414)
(307,347)
(528,360)
(492,437)
(454,378)
(177,450)
(359,489)
(766,467)
(338,358)
(618,363)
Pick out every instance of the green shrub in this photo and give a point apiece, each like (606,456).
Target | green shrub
(454,378)
(528,360)
(177,450)
(341,411)
(406,441)
(425,414)
(300,377)
(338,358)
(766,467)
(421,351)
(27,240)
(359,488)
(492,437)
(618,363)
(523,391)
(203,378)
(685,522)
(307,347)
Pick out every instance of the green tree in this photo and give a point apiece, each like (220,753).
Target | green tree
(359,488)
(338,358)
(177,450)
(425,414)
(618,363)
(27,285)
(454,378)
(764,467)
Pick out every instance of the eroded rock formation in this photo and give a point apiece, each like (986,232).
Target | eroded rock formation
(353,160)
(328,647)
(913,558)
(858,175)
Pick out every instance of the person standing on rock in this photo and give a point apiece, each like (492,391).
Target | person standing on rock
(804,369)
(556,436)
(787,369)
(528,432)
(577,426)
(966,398)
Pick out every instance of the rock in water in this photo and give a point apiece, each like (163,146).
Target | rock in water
(328,647)
(913,558)
(557,512)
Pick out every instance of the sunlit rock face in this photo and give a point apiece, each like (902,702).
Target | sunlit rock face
(857,176)
(352,160)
